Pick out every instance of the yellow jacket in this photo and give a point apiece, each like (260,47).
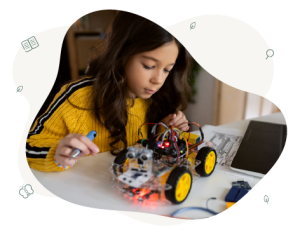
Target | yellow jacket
(61,118)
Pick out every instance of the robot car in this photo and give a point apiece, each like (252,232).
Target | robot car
(164,167)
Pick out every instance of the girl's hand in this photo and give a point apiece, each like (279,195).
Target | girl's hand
(178,120)
(71,142)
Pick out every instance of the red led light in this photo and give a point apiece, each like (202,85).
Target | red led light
(162,147)
(167,144)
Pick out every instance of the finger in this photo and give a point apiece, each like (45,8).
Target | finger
(91,146)
(174,118)
(169,118)
(183,127)
(177,112)
(82,154)
(178,117)
(75,143)
(66,152)
(66,161)
(180,121)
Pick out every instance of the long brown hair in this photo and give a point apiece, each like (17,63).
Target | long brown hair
(128,35)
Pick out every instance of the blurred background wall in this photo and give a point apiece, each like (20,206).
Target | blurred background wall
(213,103)
(217,103)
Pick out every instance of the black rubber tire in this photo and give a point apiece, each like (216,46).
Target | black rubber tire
(202,155)
(120,160)
(173,181)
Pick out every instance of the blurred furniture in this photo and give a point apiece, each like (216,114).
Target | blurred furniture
(232,105)
(217,103)
(83,35)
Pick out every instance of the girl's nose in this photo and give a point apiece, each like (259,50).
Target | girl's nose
(158,77)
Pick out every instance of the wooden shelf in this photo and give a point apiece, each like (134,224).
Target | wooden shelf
(98,22)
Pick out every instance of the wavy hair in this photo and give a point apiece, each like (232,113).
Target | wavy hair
(128,35)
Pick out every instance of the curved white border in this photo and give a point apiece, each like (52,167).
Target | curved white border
(228,48)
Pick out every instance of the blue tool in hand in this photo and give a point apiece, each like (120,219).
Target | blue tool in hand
(91,135)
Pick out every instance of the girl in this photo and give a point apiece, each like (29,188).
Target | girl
(139,75)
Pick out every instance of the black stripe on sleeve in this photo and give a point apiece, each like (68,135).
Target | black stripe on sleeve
(35,152)
(70,90)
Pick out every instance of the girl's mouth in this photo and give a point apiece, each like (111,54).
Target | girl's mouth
(149,91)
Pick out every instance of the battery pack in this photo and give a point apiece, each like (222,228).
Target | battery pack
(192,139)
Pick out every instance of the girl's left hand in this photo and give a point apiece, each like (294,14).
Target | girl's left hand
(178,120)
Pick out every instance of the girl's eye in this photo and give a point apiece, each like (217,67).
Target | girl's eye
(146,67)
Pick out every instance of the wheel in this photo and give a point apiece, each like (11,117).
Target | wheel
(208,158)
(121,160)
(181,181)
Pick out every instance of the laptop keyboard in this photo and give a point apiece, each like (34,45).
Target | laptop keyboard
(284,139)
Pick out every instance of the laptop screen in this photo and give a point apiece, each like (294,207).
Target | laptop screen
(261,147)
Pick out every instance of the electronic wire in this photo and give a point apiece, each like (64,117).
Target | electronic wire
(170,130)
(179,133)
(195,208)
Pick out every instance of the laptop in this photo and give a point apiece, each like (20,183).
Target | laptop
(260,148)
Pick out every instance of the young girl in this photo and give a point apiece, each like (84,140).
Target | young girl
(140,75)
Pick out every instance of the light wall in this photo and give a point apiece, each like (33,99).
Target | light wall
(202,112)
(217,103)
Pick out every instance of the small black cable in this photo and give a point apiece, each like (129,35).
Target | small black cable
(196,208)
(212,198)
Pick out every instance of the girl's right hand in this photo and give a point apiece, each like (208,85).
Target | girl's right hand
(69,143)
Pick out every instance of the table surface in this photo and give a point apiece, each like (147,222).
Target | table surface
(88,183)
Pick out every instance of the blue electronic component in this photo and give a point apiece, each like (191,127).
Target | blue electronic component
(235,194)
(91,135)
(159,144)
(136,175)
(242,184)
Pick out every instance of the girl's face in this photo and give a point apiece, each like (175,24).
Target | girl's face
(146,72)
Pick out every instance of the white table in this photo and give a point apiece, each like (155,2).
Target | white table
(87,183)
